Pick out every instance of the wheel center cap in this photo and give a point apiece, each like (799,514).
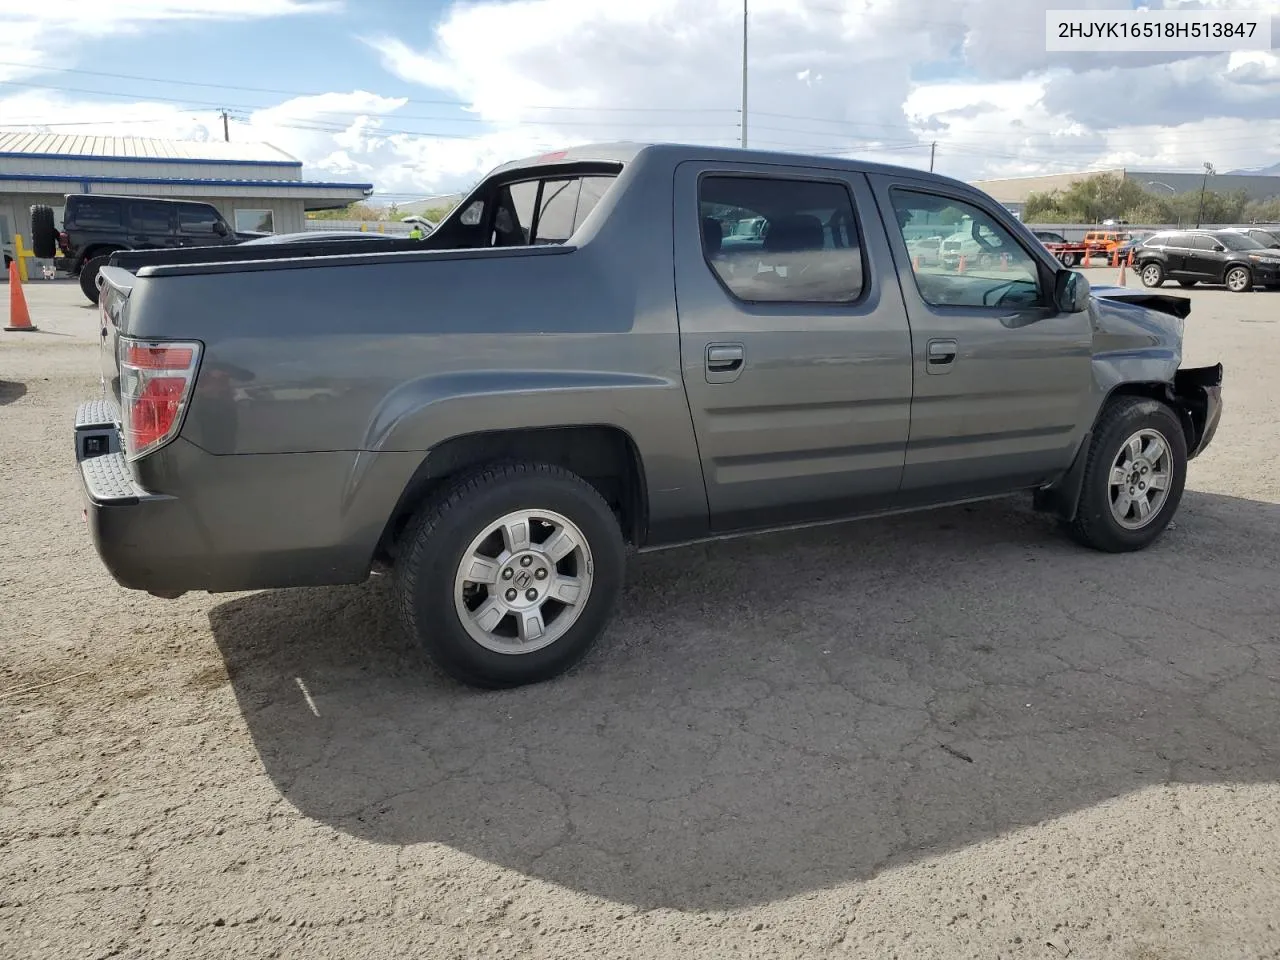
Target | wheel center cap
(523,579)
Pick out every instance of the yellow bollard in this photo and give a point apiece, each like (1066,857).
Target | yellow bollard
(20,253)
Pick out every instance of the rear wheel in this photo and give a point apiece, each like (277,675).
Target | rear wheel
(1239,280)
(510,575)
(89,276)
(1152,274)
(1134,476)
(44,234)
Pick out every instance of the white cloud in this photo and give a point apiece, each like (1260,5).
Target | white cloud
(825,75)
(37,33)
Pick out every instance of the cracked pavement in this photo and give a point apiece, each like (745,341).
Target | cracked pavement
(950,734)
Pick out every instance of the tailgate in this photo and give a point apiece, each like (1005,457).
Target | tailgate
(113,300)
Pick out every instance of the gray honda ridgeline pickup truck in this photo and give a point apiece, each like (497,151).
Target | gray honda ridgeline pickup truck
(611,347)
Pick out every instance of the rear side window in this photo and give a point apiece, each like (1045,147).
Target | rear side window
(196,221)
(535,212)
(150,217)
(95,212)
(772,240)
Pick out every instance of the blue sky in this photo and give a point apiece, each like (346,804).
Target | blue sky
(423,96)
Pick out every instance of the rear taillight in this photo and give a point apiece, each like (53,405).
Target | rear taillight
(156,378)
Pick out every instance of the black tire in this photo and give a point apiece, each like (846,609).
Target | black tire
(432,550)
(1246,283)
(1187,283)
(1151,273)
(44,235)
(89,276)
(1094,524)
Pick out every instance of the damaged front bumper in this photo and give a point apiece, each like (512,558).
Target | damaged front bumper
(1197,391)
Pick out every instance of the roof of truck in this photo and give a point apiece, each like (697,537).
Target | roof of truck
(627,151)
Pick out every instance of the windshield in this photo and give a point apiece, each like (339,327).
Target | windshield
(1238,241)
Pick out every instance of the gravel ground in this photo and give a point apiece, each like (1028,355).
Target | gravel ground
(947,735)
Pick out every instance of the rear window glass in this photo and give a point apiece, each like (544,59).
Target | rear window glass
(95,212)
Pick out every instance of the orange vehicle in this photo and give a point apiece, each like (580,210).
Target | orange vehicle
(1105,241)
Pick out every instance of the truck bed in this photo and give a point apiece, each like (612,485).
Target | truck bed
(135,260)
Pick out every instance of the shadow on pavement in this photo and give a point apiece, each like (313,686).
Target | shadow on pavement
(11,390)
(773,716)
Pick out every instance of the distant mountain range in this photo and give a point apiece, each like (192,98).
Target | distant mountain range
(1273,170)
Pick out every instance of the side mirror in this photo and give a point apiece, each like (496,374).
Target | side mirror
(219,228)
(1071,291)
(1219,248)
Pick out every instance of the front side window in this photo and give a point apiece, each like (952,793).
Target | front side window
(196,221)
(981,265)
(781,241)
(1238,241)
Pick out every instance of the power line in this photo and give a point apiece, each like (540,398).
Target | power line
(319,93)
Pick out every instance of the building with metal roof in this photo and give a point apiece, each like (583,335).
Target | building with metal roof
(1014,191)
(257,186)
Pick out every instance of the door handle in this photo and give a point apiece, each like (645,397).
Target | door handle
(724,361)
(939,355)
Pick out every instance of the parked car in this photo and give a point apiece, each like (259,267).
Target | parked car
(925,250)
(1267,237)
(94,226)
(1105,242)
(593,371)
(1207,256)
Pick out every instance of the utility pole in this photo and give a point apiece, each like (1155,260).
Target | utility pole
(226,128)
(1208,169)
(933,147)
(744,74)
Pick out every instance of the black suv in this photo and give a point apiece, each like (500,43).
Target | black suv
(94,226)
(1210,256)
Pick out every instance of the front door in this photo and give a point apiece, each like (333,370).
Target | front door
(1002,377)
(794,343)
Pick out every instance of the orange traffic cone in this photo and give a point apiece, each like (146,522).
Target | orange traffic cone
(915,263)
(1124,265)
(960,264)
(19,315)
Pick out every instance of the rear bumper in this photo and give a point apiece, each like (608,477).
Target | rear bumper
(225,523)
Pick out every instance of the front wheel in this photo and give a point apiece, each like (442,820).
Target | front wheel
(1133,478)
(1152,274)
(1239,280)
(509,576)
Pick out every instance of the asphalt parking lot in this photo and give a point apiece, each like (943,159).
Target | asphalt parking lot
(947,735)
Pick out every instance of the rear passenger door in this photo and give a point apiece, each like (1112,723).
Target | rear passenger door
(1204,260)
(793,341)
(1177,247)
(1002,376)
(151,224)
